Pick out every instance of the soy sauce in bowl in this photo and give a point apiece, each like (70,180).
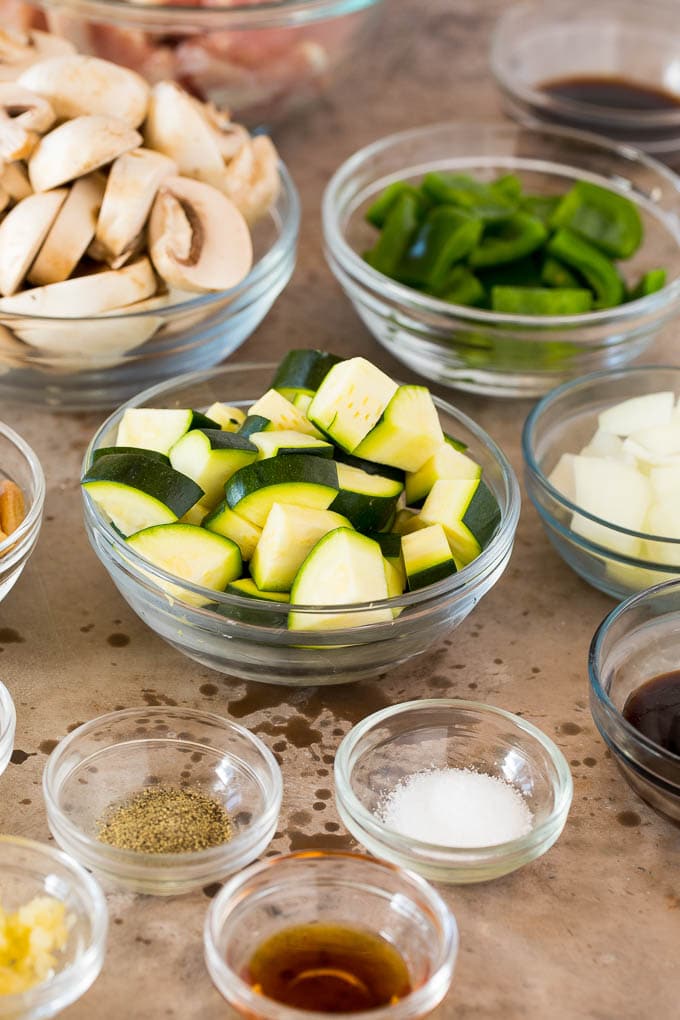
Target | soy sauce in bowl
(654,710)
(612,92)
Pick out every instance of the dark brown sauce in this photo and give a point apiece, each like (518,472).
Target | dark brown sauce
(654,709)
(329,968)
(614,93)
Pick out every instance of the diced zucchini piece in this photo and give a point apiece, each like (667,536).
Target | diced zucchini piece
(157,428)
(253,423)
(211,457)
(271,444)
(297,479)
(105,451)
(350,401)
(195,514)
(226,522)
(136,492)
(191,554)
(638,413)
(289,535)
(368,501)
(302,401)
(615,492)
(343,568)
(406,521)
(390,546)
(342,457)
(407,434)
(282,414)
(427,557)
(246,588)
(395,580)
(445,462)
(457,444)
(303,370)
(228,418)
(467,510)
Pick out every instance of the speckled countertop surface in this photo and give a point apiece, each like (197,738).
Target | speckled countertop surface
(589,931)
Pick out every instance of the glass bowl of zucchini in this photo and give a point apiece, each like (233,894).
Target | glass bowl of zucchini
(311,523)
(505,259)
(602,468)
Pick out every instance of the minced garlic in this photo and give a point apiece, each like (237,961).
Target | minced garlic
(29,939)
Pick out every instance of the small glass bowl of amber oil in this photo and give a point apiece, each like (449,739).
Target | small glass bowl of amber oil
(318,933)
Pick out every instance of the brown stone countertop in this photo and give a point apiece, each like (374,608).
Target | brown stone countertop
(588,932)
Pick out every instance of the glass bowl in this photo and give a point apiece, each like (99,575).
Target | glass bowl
(8,722)
(416,736)
(335,888)
(111,758)
(19,463)
(484,351)
(563,422)
(536,43)
(248,638)
(260,60)
(97,362)
(29,869)
(638,641)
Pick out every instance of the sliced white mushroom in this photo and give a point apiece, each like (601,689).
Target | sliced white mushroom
(230,137)
(77,85)
(176,127)
(18,50)
(22,232)
(85,295)
(14,180)
(26,108)
(252,178)
(198,240)
(71,232)
(131,188)
(77,147)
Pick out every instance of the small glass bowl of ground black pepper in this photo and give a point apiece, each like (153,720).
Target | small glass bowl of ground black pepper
(612,67)
(8,718)
(162,800)
(456,790)
(310,934)
(634,668)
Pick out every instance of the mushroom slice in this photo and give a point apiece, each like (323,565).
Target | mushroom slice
(178,128)
(252,178)
(77,147)
(71,232)
(14,180)
(131,188)
(22,232)
(25,108)
(88,295)
(77,85)
(18,50)
(198,240)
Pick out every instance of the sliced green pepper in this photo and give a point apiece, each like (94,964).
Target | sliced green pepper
(397,234)
(653,280)
(541,300)
(609,221)
(510,186)
(524,272)
(508,241)
(600,274)
(462,288)
(541,206)
(447,236)
(482,200)
(378,211)
(555,274)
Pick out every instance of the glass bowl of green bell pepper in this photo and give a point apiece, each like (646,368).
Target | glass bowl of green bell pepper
(504,259)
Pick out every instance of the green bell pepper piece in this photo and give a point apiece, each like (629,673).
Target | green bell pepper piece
(447,236)
(378,211)
(510,186)
(599,272)
(508,241)
(653,280)
(462,288)
(482,200)
(609,221)
(541,206)
(400,226)
(555,274)
(524,272)
(541,300)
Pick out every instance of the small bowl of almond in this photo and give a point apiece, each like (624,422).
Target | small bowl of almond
(22,495)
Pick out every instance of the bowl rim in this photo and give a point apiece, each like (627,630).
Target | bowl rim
(157,863)
(536,472)
(594,674)
(91,958)
(562,785)
(237,890)
(337,248)
(32,518)
(448,586)
(240,16)
(8,721)
(288,225)
(549,103)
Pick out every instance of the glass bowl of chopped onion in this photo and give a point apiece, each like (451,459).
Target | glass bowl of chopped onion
(22,496)
(162,800)
(602,468)
(54,919)
(458,791)
(8,719)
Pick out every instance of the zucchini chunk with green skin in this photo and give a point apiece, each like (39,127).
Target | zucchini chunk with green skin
(457,444)
(229,524)
(427,557)
(136,492)
(289,535)
(407,434)
(246,586)
(228,418)
(445,462)
(294,479)
(367,501)
(302,401)
(257,616)
(282,414)
(271,444)
(350,401)
(467,510)
(342,457)
(390,546)
(191,554)
(253,423)
(303,372)
(136,451)
(158,428)
(343,568)
(395,582)
(407,521)
(211,457)
(195,514)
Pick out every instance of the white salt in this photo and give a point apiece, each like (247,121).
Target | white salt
(457,808)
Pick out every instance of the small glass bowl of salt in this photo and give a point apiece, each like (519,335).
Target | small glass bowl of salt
(456,790)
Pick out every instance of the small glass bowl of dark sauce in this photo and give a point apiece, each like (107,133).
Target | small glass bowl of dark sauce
(634,667)
(612,67)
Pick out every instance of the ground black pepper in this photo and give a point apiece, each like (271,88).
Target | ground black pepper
(165,820)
